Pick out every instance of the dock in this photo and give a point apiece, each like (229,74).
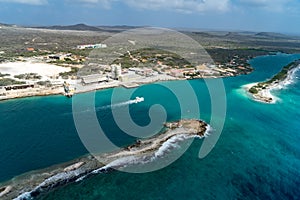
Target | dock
(130,85)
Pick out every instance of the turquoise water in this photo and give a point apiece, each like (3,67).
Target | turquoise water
(256,157)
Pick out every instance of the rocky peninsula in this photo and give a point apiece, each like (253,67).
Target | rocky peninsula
(40,182)
(262,91)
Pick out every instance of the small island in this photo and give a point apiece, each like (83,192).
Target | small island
(43,181)
(262,91)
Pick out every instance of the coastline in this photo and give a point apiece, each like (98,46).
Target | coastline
(265,96)
(263,90)
(97,87)
(43,181)
(55,75)
(58,90)
(49,92)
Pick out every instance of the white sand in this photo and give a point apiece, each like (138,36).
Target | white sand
(43,69)
(262,95)
(248,86)
(266,93)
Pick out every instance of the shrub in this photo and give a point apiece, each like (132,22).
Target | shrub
(45,83)
(3,75)
(253,90)
(9,81)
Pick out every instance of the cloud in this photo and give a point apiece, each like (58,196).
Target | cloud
(93,1)
(104,3)
(31,2)
(270,5)
(195,6)
(188,6)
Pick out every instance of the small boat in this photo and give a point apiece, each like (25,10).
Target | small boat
(139,99)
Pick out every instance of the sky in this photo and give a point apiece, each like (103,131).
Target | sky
(240,15)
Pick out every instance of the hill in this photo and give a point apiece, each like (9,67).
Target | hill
(271,35)
(76,27)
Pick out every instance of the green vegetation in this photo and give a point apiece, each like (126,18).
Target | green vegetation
(73,72)
(9,81)
(80,52)
(3,75)
(26,53)
(22,53)
(253,90)
(28,76)
(149,56)
(66,61)
(278,77)
(242,55)
(45,83)
(14,42)
(126,61)
(283,73)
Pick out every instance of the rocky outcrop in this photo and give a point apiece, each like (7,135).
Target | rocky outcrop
(44,181)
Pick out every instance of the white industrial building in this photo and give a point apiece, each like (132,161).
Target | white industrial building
(116,71)
(95,78)
(92,46)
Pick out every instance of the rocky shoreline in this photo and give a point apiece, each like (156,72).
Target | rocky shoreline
(40,182)
(262,91)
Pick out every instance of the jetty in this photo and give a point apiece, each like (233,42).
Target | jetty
(43,181)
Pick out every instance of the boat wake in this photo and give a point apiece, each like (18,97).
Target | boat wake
(121,104)
(112,106)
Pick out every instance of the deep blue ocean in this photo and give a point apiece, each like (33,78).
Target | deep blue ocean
(256,157)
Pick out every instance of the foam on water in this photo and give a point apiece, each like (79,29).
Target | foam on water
(255,158)
(289,80)
(168,145)
(64,176)
(26,195)
(117,105)
(123,162)
(291,77)
(106,107)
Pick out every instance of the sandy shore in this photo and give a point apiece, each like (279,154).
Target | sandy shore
(43,69)
(265,95)
(40,182)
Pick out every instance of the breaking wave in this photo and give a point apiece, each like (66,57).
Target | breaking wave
(165,148)
(80,174)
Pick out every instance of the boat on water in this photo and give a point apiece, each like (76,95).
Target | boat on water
(139,99)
